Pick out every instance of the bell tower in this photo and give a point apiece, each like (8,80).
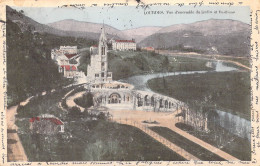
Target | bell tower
(98,67)
(102,50)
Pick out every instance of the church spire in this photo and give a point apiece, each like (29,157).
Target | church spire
(103,37)
(102,42)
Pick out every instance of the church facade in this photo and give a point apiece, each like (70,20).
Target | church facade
(98,68)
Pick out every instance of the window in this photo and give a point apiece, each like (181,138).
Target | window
(103,49)
(96,75)
(102,74)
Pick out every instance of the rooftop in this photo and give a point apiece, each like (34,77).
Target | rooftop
(125,41)
(53,120)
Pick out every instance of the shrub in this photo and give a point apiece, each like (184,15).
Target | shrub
(75,112)
(101,116)
(85,101)
(64,104)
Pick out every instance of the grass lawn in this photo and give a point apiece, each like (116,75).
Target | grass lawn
(227,91)
(96,140)
(230,143)
(186,144)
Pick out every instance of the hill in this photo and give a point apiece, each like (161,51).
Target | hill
(30,69)
(25,23)
(227,37)
(140,33)
(71,25)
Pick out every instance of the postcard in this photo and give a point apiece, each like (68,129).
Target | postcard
(129,83)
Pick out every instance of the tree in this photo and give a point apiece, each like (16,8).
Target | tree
(75,112)
(101,116)
(165,64)
(164,83)
(89,98)
(85,101)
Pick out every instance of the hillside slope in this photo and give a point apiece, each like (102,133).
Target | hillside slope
(140,33)
(227,37)
(30,69)
(25,23)
(71,25)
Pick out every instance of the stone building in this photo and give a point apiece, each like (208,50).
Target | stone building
(119,95)
(123,45)
(98,67)
(69,49)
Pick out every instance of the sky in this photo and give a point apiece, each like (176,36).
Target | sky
(128,17)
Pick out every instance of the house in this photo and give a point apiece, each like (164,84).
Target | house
(123,45)
(68,71)
(148,48)
(65,58)
(46,124)
(93,49)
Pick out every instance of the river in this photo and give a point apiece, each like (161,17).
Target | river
(235,124)
(140,81)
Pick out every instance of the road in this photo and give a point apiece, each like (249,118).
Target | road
(70,100)
(16,149)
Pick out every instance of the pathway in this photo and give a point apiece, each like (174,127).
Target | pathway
(160,139)
(17,152)
(60,105)
(165,119)
(171,125)
(70,100)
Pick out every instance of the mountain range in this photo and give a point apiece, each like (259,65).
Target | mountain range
(221,36)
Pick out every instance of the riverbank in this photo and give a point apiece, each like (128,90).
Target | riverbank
(223,140)
(227,91)
(125,64)
(243,62)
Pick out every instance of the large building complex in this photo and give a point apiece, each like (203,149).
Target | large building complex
(123,45)
(114,94)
